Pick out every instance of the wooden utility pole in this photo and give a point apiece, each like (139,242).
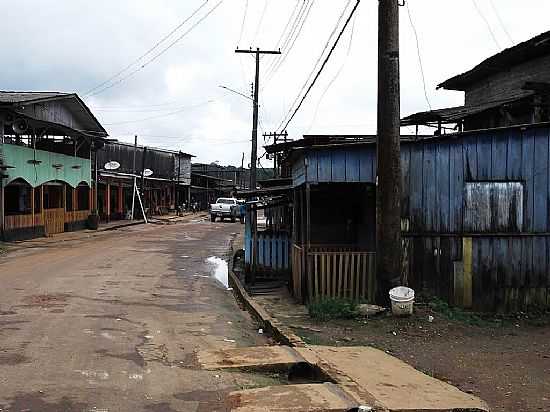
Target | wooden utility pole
(134,179)
(388,210)
(254,151)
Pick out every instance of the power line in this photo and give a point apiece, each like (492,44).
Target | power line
(133,106)
(288,45)
(487,24)
(290,19)
(160,53)
(335,77)
(260,22)
(501,22)
(327,58)
(291,46)
(157,44)
(419,55)
(160,116)
(323,51)
(243,22)
(290,26)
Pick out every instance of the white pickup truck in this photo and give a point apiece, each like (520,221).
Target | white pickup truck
(225,207)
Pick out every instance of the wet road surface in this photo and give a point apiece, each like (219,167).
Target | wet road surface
(111,323)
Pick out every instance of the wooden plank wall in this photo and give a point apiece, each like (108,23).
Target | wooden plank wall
(510,267)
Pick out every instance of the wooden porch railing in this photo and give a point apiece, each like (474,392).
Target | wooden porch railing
(334,273)
(76,216)
(22,221)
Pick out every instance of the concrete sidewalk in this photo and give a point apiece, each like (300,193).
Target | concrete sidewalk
(368,376)
(362,376)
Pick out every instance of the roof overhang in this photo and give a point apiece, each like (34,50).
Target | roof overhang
(531,49)
(63,114)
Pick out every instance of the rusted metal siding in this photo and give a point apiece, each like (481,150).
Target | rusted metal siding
(162,163)
(493,207)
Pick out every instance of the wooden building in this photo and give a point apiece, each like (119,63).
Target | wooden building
(509,88)
(475,216)
(46,141)
(164,190)
(211,181)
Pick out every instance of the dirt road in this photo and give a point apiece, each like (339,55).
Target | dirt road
(110,323)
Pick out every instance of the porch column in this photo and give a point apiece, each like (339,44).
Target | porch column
(108,200)
(75,199)
(32,204)
(64,197)
(42,212)
(120,199)
(91,194)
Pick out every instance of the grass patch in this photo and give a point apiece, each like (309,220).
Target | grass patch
(461,315)
(534,316)
(327,309)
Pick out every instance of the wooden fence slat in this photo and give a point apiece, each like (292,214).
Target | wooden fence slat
(323,275)
(340,273)
(352,275)
(335,275)
(316,274)
(345,275)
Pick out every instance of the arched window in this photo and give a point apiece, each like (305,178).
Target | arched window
(83,196)
(18,198)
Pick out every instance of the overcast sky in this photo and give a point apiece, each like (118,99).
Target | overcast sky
(175,102)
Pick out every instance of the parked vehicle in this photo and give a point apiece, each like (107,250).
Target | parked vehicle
(225,207)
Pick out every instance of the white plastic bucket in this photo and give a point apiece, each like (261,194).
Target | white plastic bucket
(402,301)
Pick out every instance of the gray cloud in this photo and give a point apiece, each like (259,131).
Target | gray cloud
(73,45)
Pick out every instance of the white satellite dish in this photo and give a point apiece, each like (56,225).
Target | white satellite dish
(147,172)
(112,165)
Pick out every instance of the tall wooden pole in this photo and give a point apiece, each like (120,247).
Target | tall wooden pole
(388,210)
(254,151)
(134,180)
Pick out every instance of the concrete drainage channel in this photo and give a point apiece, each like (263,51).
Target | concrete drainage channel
(336,379)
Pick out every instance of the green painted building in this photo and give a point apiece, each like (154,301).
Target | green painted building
(47,141)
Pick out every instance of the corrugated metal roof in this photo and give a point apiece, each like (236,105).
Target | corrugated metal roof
(20,101)
(454,114)
(333,140)
(528,50)
(25,97)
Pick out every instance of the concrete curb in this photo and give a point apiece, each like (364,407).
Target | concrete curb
(271,325)
(109,228)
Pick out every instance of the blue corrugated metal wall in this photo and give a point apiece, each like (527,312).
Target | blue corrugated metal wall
(510,270)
